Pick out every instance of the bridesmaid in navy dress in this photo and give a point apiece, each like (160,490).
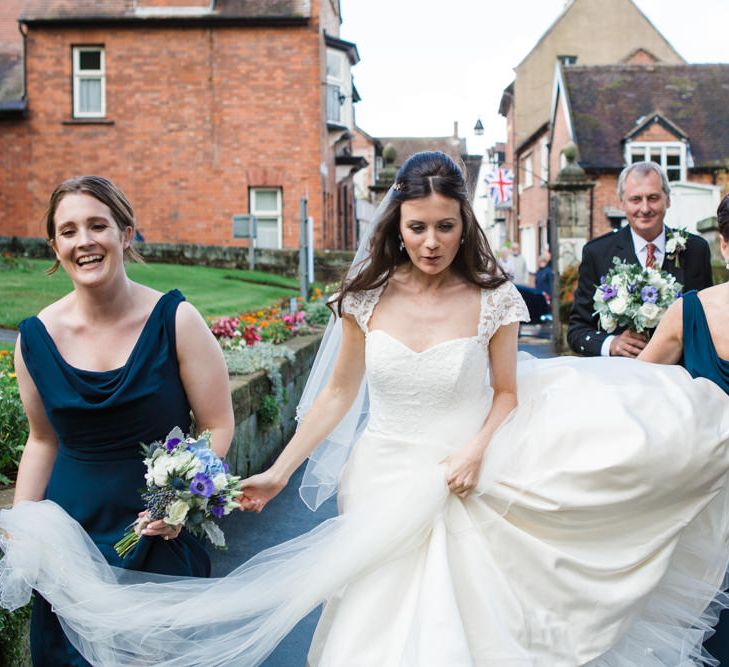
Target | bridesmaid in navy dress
(695,333)
(109,366)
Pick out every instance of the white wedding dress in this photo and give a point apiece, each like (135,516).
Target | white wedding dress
(597,534)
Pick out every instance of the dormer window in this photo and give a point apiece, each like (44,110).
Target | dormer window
(672,156)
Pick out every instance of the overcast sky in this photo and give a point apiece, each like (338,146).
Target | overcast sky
(427,63)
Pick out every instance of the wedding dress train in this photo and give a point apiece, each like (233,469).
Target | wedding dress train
(597,534)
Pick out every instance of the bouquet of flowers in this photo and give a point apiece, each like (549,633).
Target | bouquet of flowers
(633,297)
(188,485)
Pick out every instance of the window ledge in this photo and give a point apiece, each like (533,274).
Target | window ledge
(87,121)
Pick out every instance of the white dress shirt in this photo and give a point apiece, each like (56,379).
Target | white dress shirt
(641,251)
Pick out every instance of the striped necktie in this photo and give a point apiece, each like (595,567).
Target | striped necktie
(650,258)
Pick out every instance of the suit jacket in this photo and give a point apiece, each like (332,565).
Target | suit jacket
(583,333)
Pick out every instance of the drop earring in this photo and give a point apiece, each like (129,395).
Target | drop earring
(463,238)
(402,244)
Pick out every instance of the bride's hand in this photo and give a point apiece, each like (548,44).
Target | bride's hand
(257,490)
(464,470)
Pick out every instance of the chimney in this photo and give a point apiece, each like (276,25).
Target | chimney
(455,129)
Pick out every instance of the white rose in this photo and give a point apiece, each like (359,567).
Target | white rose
(177,512)
(618,304)
(161,469)
(651,313)
(599,297)
(655,279)
(220,481)
(671,246)
(608,322)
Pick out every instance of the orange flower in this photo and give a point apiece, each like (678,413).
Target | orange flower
(4,353)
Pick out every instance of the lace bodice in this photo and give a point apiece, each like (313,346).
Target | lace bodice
(420,394)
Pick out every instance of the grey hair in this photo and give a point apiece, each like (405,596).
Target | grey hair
(643,169)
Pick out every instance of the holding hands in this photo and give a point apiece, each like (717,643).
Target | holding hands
(257,490)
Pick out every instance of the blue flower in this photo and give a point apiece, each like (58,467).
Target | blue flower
(177,484)
(649,294)
(202,485)
(608,292)
(209,459)
(217,510)
(171,443)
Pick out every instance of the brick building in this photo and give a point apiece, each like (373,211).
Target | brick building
(197,109)
(675,115)
(588,32)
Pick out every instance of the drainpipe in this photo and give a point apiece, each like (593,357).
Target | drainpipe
(23,29)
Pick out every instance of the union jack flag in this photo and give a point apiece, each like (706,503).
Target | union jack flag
(501,185)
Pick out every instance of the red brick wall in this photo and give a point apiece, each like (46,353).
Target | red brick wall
(655,132)
(15,194)
(199,116)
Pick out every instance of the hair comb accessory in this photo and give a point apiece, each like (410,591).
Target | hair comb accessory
(399,186)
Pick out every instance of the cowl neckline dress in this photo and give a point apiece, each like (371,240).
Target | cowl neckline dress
(100,419)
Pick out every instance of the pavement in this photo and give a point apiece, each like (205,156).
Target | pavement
(8,335)
(286,517)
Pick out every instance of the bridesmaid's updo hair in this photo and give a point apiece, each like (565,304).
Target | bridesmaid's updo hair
(421,175)
(722,215)
(104,191)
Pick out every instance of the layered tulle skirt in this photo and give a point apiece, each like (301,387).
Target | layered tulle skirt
(598,534)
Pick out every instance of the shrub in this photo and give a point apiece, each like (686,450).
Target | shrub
(567,286)
(317,313)
(14,650)
(13,422)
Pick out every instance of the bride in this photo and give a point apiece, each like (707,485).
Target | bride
(559,512)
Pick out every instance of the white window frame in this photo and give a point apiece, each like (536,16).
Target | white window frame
(662,147)
(544,162)
(80,75)
(341,83)
(528,162)
(278,213)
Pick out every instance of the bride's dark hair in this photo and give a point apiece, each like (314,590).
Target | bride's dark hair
(421,175)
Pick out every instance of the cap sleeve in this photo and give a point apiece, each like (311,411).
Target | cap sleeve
(360,305)
(499,306)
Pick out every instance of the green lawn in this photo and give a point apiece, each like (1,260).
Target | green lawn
(214,292)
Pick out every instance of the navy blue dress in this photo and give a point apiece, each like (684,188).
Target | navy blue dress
(701,360)
(100,419)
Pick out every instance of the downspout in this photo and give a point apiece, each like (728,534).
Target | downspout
(24,33)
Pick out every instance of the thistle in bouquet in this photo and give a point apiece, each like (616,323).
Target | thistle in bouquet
(632,297)
(187,485)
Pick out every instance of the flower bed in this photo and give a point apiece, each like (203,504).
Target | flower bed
(252,341)
(13,422)
(271,325)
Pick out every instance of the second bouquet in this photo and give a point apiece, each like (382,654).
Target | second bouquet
(187,485)
(632,297)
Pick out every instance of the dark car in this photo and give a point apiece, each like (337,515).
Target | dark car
(540,309)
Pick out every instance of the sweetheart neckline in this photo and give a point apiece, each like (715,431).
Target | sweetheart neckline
(427,349)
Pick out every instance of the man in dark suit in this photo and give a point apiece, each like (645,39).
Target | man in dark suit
(645,195)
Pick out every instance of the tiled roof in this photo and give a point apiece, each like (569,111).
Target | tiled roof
(130,9)
(453,146)
(407,146)
(607,102)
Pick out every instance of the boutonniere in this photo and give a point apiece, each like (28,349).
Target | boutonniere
(676,240)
